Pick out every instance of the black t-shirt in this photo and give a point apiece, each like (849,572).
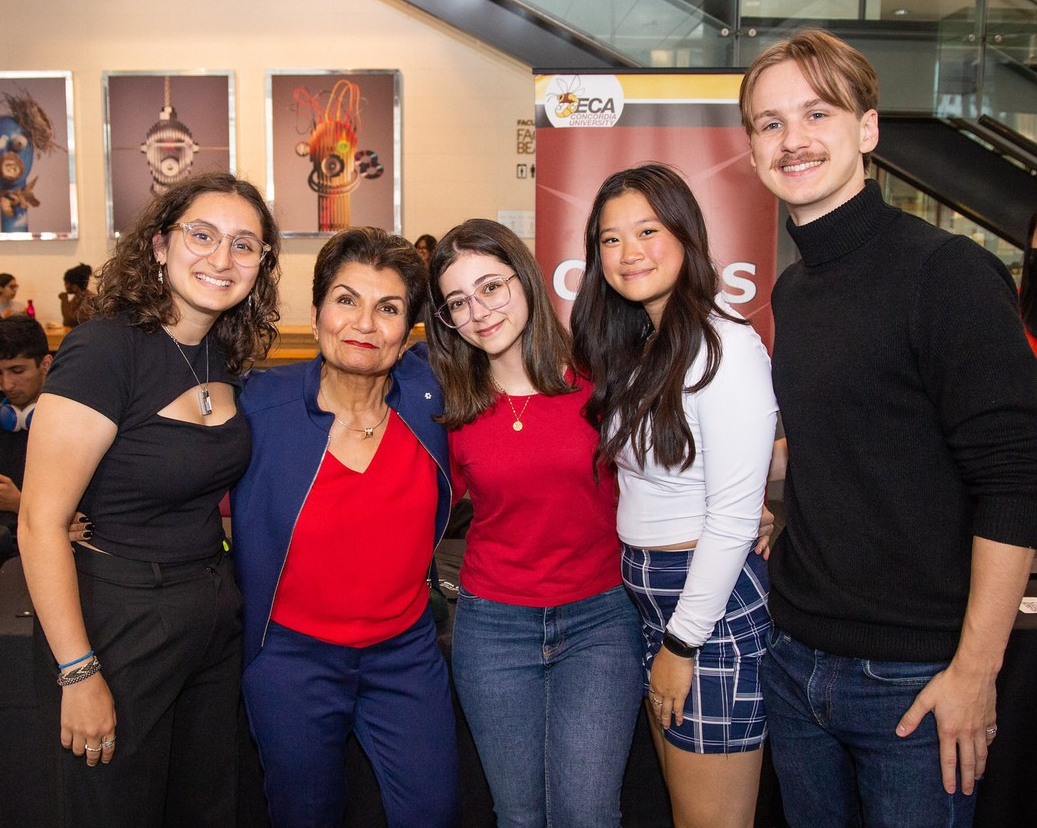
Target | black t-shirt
(155,494)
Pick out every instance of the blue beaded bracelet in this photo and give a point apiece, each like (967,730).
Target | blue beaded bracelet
(81,658)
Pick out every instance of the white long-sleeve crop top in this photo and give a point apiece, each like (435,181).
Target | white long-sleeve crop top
(717,501)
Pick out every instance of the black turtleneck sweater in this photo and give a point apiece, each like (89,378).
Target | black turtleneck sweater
(909,398)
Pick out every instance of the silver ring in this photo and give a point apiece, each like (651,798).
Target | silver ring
(89,749)
(992,730)
(656,702)
(108,744)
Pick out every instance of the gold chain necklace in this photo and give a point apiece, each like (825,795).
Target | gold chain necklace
(517,425)
(367,431)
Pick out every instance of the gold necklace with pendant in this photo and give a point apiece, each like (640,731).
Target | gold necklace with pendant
(517,425)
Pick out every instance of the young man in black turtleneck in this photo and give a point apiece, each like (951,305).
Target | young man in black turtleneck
(909,400)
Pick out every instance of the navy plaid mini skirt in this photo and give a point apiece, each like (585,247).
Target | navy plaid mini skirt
(724,709)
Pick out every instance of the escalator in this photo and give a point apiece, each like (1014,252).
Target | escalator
(980,169)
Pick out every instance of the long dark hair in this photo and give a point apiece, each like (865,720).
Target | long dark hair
(464,370)
(1028,281)
(639,374)
(128,285)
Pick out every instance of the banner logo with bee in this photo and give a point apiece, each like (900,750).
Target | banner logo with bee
(584,101)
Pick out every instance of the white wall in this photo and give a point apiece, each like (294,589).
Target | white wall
(461,101)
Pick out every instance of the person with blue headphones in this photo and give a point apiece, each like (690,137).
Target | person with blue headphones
(24,362)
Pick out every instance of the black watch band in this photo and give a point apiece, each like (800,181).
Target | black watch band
(678,647)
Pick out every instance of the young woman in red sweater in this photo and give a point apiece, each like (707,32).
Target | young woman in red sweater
(546,650)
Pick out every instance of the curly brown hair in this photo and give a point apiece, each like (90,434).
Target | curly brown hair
(128,286)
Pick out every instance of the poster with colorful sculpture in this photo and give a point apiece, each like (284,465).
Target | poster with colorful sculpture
(161,127)
(334,140)
(37,159)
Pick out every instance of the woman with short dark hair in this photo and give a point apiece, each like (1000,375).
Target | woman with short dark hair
(426,246)
(76,295)
(335,522)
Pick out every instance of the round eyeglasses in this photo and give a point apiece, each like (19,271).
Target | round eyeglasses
(492,294)
(202,239)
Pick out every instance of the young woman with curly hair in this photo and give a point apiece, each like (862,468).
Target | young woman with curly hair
(138,428)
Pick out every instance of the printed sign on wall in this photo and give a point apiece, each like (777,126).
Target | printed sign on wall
(592,125)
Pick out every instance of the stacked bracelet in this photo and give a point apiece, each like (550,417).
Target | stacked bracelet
(81,673)
(70,663)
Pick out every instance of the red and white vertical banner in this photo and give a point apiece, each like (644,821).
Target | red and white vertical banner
(592,125)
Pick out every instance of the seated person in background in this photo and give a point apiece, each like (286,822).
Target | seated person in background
(425,245)
(8,289)
(77,292)
(24,361)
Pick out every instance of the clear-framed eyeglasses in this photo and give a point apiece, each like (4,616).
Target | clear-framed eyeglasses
(492,294)
(202,239)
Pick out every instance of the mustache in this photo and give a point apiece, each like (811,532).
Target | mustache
(790,160)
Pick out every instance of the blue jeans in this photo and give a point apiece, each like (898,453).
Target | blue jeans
(304,696)
(551,696)
(838,759)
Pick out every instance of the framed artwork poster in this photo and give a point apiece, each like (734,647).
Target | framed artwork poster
(334,150)
(160,128)
(37,157)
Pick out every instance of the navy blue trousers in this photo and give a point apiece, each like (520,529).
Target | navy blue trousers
(304,696)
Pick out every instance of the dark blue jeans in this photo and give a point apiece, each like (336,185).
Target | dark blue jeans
(839,761)
(551,695)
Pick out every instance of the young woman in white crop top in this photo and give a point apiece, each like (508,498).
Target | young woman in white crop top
(685,409)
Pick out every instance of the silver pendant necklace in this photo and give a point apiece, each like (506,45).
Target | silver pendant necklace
(204,403)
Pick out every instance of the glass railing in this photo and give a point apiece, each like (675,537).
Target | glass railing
(899,192)
(655,33)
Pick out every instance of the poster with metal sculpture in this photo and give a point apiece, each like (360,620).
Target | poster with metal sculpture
(159,129)
(334,160)
(37,164)
(169,147)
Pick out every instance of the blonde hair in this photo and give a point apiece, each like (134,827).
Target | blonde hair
(838,73)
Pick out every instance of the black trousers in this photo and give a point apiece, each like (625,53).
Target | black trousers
(169,641)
